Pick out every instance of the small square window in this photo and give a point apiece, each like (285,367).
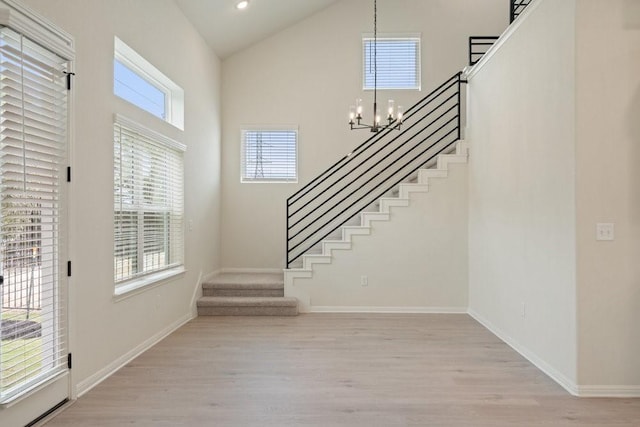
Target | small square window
(269,155)
(398,63)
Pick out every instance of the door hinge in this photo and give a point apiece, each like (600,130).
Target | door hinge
(68,268)
(69,74)
(68,173)
(69,360)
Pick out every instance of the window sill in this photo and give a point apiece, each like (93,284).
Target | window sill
(137,286)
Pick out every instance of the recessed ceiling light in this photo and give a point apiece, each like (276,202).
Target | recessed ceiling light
(242,4)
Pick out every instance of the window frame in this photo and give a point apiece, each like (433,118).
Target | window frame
(268,128)
(413,37)
(174,94)
(141,279)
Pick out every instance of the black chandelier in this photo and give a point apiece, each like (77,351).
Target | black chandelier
(394,116)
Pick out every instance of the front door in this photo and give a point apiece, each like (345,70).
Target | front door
(33,283)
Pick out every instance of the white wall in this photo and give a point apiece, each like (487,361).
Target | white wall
(308,75)
(608,190)
(522,214)
(103,330)
(416,262)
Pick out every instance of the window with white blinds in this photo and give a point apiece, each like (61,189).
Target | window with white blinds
(149,209)
(397,59)
(33,135)
(269,155)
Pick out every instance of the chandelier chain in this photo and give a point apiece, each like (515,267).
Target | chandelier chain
(375,57)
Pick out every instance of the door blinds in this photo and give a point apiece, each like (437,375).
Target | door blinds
(33,135)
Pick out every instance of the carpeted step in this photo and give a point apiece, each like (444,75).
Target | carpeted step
(247,306)
(244,285)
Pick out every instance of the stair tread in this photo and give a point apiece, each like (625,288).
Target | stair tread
(246,281)
(247,302)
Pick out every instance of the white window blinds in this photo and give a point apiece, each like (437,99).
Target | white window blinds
(33,135)
(398,63)
(148,195)
(269,155)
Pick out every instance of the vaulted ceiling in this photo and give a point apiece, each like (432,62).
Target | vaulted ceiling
(228,30)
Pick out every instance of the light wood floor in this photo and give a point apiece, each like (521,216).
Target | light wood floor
(337,370)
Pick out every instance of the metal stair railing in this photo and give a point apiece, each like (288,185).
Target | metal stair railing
(374,168)
(517,7)
(478,46)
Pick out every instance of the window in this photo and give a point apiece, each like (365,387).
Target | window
(33,131)
(398,62)
(130,86)
(140,83)
(148,210)
(269,155)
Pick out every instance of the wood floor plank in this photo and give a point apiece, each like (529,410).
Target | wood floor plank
(337,370)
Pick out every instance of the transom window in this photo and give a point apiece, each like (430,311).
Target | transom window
(398,62)
(137,81)
(269,155)
(139,91)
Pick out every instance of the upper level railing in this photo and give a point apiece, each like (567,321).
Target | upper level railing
(372,169)
(517,7)
(478,46)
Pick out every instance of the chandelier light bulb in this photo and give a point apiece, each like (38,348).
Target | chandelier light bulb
(390,109)
(352,114)
(358,108)
(242,4)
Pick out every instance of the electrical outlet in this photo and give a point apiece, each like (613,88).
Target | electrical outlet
(605,231)
(364,281)
(190,225)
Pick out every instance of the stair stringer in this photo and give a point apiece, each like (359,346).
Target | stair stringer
(297,281)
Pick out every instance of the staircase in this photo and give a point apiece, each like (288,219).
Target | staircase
(246,294)
(400,196)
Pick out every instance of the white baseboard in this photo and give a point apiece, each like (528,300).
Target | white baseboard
(406,310)
(554,374)
(87,384)
(252,270)
(609,391)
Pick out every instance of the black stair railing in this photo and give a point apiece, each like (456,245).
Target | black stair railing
(373,169)
(517,7)
(478,46)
